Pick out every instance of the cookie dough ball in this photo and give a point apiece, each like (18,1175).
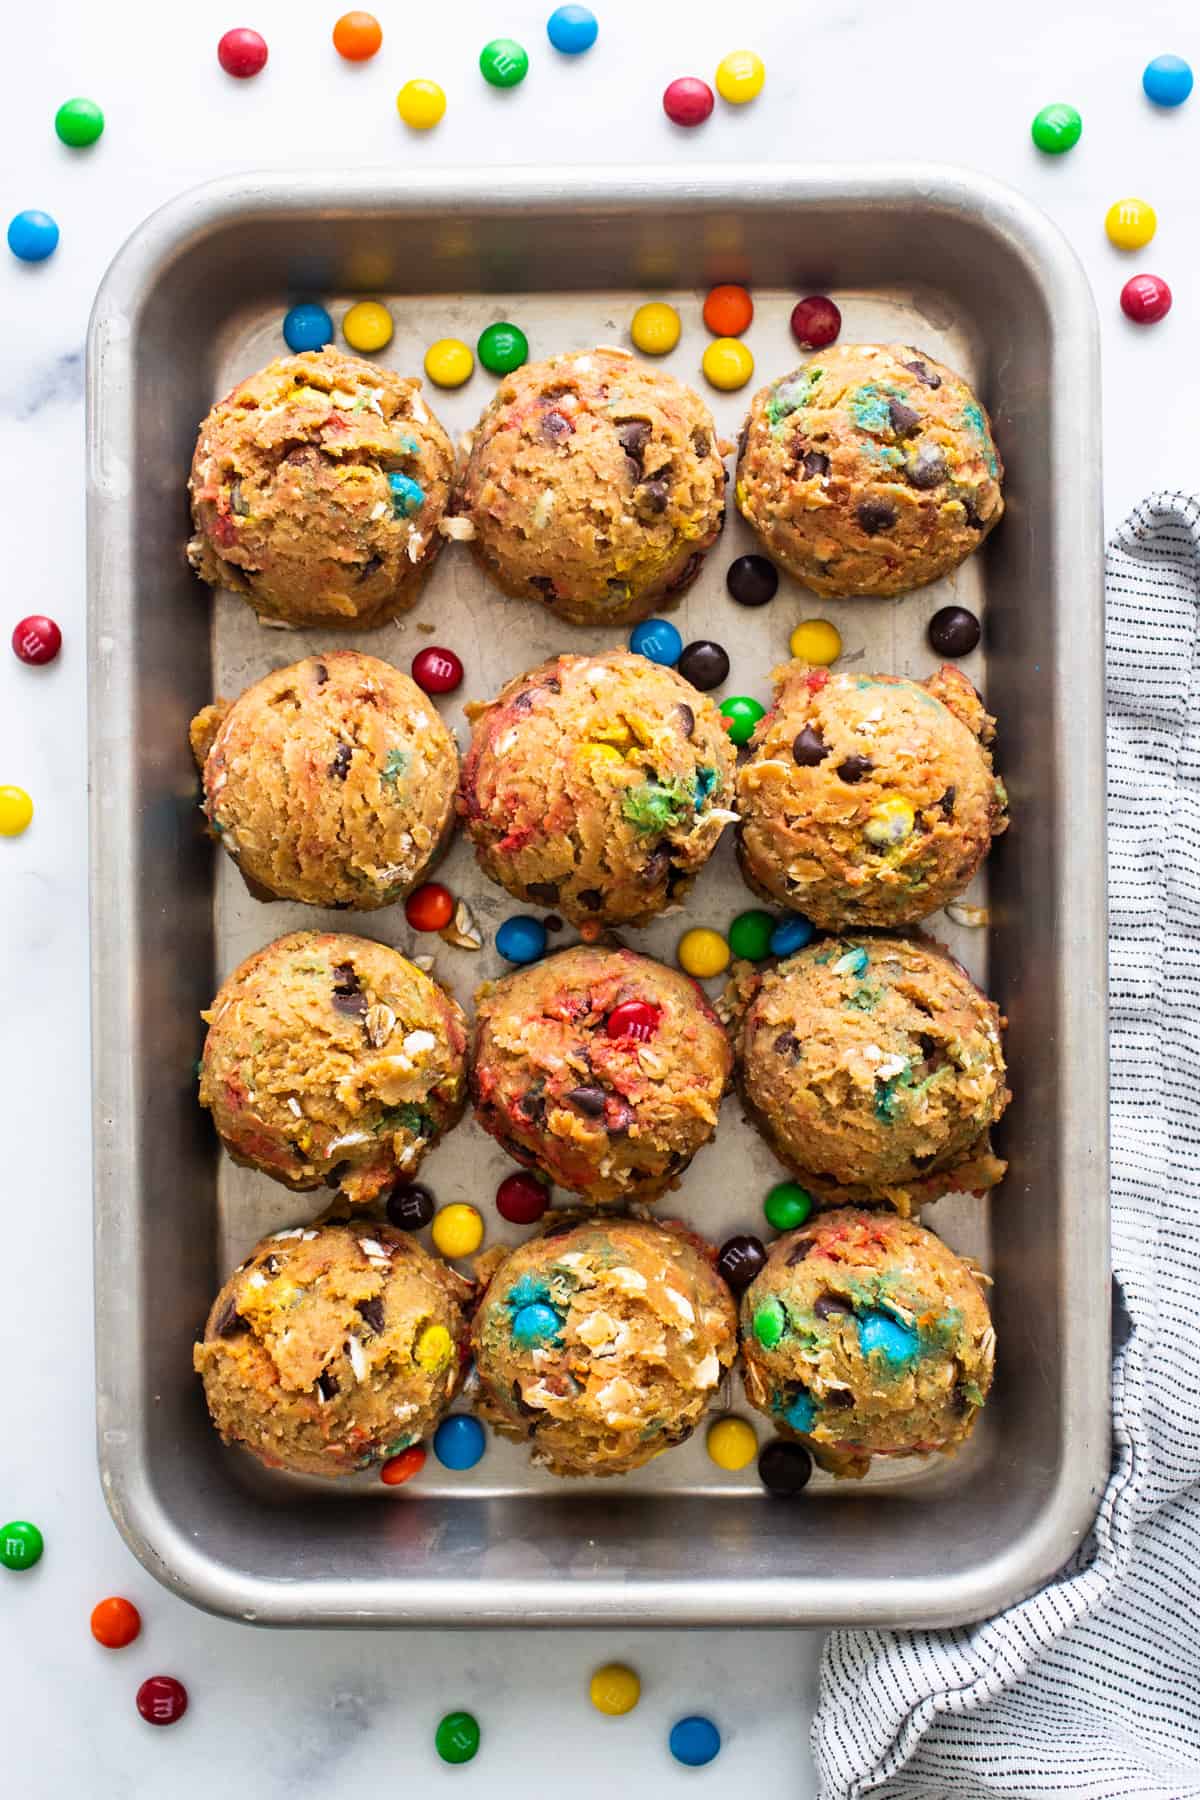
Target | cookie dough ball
(865,1336)
(868,799)
(331,781)
(871,470)
(601,1068)
(594,484)
(873,1066)
(601,1343)
(333,1059)
(597,785)
(317,487)
(334,1347)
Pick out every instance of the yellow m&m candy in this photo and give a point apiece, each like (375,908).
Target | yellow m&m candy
(367,326)
(655,328)
(449,362)
(816,641)
(457,1231)
(16,811)
(434,1346)
(1130,223)
(703,953)
(740,77)
(731,1443)
(420,104)
(614,1689)
(727,364)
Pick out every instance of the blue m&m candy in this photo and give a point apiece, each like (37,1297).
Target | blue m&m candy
(1167,80)
(459,1441)
(657,640)
(791,934)
(521,939)
(879,1331)
(307,327)
(572,29)
(536,1324)
(32,236)
(694,1741)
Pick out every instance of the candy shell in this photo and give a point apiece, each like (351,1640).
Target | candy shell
(953,631)
(742,715)
(437,670)
(728,310)
(21,1545)
(752,580)
(739,1260)
(78,123)
(32,235)
(740,77)
(731,1444)
(1056,128)
(791,934)
(522,1199)
(456,1739)
(572,29)
(815,322)
(421,104)
(655,328)
(705,664)
(703,953)
(521,939)
(162,1700)
(367,326)
(16,811)
(1167,80)
(657,640)
(36,639)
(688,101)
(787,1206)
(402,1467)
(694,1741)
(242,53)
(115,1622)
(459,1441)
(784,1468)
(357,36)
(750,935)
(614,1690)
(1130,224)
(457,1231)
(307,327)
(727,364)
(410,1206)
(503,63)
(449,362)
(1145,299)
(502,348)
(429,907)
(816,641)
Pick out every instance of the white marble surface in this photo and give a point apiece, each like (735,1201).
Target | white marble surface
(278,1714)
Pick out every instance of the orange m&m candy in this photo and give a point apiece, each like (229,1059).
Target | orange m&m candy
(728,310)
(357,36)
(115,1622)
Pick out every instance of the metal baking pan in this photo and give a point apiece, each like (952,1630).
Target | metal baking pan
(931,256)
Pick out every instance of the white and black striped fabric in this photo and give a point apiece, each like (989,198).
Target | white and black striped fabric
(1092,1687)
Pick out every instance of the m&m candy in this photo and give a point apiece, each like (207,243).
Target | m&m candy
(750,935)
(752,580)
(688,101)
(242,53)
(436,670)
(457,1231)
(403,1466)
(162,1700)
(815,322)
(522,1199)
(16,812)
(429,907)
(449,362)
(816,641)
(459,1441)
(307,327)
(502,348)
(115,1622)
(1130,224)
(953,631)
(78,123)
(614,1689)
(367,326)
(784,1468)
(1056,128)
(1167,80)
(703,953)
(704,663)
(572,29)
(728,310)
(636,1019)
(32,235)
(521,939)
(731,1444)
(657,640)
(503,63)
(1145,299)
(740,77)
(694,1741)
(791,934)
(655,328)
(420,104)
(787,1205)
(36,639)
(742,714)
(739,1260)
(727,364)
(456,1739)
(21,1545)
(410,1206)
(357,36)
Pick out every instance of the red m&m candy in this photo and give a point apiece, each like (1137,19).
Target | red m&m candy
(242,53)
(161,1700)
(688,101)
(521,1199)
(36,639)
(399,1469)
(1145,299)
(429,907)
(815,322)
(635,1019)
(437,671)
(115,1622)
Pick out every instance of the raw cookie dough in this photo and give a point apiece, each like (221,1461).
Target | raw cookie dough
(868,799)
(333,1059)
(595,485)
(602,1343)
(873,1067)
(865,1336)
(612,1117)
(331,781)
(334,1347)
(318,486)
(597,785)
(870,470)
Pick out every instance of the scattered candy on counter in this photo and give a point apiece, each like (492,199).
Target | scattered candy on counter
(704,664)
(752,580)
(791,934)
(21,1545)
(36,639)
(457,1231)
(32,235)
(750,935)
(694,1741)
(655,328)
(161,1699)
(816,641)
(614,1689)
(688,101)
(657,640)
(429,907)
(79,122)
(635,1019)
(242,53)
(402,1467)
(572,29)
(784,1469)
(742,715)
(367,326)
(727,364)
(953,631)
(787,1206)
(16,811)
(703,953)
(420,104)
(740,77)
(456,1739)
(115,1622)
(815,322)
(437,670)
(449,362)
(739,1260)
(504,64)
(1167,80)
(731,1444)
(307,327)
(1056,128)
(728,310)
(410,1206)
(1130,224)
(357,36)
(1145,299)
(459,1441)
(522,1199)
(502,348)
(521,939)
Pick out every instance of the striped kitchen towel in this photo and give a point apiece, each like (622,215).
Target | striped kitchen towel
(1092,1686)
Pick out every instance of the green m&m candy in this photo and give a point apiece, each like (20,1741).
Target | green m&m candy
(502,348)
(503,63)
(79,123)
(21,1544)
(787,1205)
(770,1322)
(1056,128)
(457,1737)
(743,715)
(750,935)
